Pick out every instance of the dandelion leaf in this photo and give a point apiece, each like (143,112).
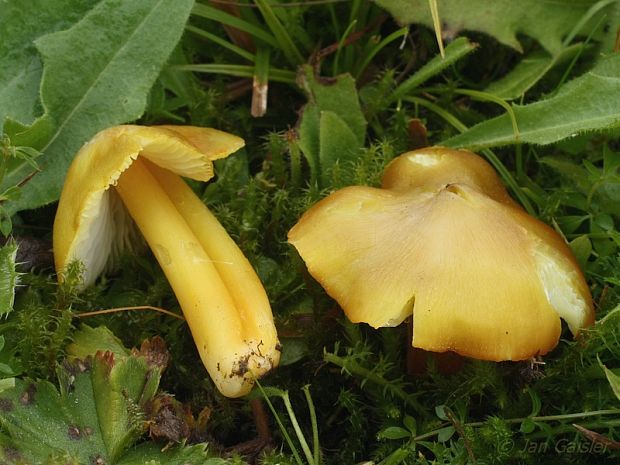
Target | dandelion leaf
(85,89)
(590,102)
(547,22)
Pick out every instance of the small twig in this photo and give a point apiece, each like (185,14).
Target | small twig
(597,438)
(252,448)
(124,309)
(260,420)
(236,89)
(461,431)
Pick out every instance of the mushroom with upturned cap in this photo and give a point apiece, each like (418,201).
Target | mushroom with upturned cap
(443,241)
(132,172)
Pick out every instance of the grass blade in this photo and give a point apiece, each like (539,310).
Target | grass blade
(315,428)
(300,435)
(243,53)
(260,84)
(284,41)
(246,71)
(287,437)
(347,32)
(214,14)
(454,52)
(377,48)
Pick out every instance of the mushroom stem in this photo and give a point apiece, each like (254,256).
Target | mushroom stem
(233,267)
(216,292)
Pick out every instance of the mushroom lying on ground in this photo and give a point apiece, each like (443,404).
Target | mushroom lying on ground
(222,299)
(443,241)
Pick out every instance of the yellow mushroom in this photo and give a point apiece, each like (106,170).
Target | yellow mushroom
(132,172)
(443,241)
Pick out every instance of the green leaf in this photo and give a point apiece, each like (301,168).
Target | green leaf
(589,102)
(96,414)
(582,248)
(547,22)
(338,146)
(8,277)
(7,383)
(293,350)
(85,89)
(285,42)
(410,424)
(614,381)
(21,23)
(394,432)
(445,434)
(332,129)
(88,341)
(440,411)
(527,426)
(124,385)
(528,72)
(453,53)
(570,223)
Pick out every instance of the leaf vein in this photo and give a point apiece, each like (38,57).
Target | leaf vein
(69,117)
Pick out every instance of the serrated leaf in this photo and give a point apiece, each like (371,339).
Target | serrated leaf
(547,22)
(456,50)
(330,101)
(528,72)
(96,413)
(588,103)
(88,341)
(85,89)
(125,383)
(8,277)
(21,23)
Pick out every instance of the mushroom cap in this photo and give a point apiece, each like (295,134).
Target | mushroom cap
(91,224)
(434,167)
(480,276)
